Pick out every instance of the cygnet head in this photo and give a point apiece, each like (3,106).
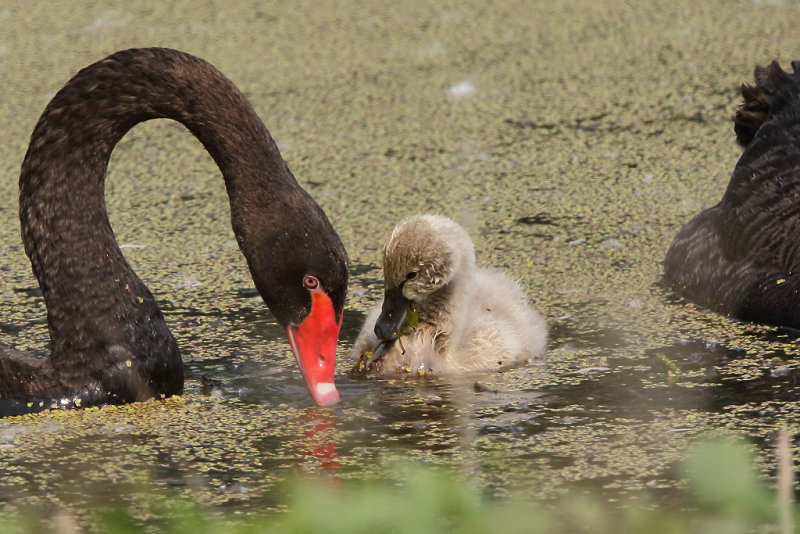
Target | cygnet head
(423,254)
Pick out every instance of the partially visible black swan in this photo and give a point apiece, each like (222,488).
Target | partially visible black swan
(742,256)
(109,341)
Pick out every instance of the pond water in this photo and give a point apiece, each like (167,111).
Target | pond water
(616,424)
(572,139)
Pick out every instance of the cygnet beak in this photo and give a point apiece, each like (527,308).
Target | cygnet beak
(393,313)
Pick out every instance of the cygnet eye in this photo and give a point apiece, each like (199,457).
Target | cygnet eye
(311,282)
(411,275)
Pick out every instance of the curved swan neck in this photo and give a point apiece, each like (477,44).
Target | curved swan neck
(85,120)
(95,302)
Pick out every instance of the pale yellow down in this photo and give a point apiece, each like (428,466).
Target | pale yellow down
(471,318)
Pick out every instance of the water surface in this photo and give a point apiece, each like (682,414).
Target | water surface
(572,139)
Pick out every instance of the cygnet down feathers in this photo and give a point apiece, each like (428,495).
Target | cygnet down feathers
(441,313)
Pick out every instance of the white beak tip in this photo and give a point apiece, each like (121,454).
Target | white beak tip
(325,394)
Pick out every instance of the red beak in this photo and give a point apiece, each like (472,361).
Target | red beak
(314,346)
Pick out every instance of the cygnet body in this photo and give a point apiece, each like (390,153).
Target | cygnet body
(468,318)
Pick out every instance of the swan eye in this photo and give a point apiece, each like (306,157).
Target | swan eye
(311,282)
(411,275)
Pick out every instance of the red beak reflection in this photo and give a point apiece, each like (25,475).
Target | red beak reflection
(314,346)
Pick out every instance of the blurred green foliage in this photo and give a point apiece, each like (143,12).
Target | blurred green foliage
(724,493)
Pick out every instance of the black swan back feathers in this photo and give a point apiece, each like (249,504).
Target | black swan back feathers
(742,256)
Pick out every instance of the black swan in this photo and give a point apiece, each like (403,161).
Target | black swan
(109,341)
(742,256)
(458,317)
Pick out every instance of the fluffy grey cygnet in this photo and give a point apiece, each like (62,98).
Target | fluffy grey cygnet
(470,318)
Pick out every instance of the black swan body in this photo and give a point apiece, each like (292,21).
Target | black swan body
(742,256)
(109,341)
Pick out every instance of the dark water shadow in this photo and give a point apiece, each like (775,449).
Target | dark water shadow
(584,335)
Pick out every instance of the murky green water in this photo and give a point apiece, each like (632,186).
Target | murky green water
(572,138)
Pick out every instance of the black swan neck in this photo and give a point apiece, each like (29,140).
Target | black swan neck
(99,312)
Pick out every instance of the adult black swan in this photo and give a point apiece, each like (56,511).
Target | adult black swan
(742,256)
(109,341)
